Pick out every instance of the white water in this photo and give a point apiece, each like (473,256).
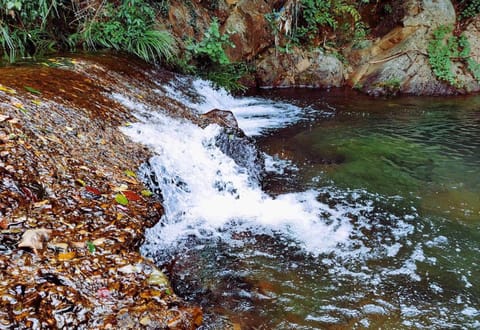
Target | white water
(191,169)
(254,115)
(195,205)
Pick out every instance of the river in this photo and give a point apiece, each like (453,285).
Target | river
(369,216)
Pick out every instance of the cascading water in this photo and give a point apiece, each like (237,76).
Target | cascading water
(305,259)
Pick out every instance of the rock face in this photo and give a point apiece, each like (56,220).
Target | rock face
(299,68)
(398,62)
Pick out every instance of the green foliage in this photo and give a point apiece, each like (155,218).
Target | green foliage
(23,27)
(440,52)
(32,27)
(444,48)
(129,27)
(210,60)
(211,47)
(311,22)
(470,8)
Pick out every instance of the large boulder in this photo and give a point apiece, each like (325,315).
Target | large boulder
(398,62)
(299,68)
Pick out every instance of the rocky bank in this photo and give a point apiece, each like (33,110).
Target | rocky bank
(393,58)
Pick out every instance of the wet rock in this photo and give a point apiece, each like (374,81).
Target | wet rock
(220,117)
(233,142)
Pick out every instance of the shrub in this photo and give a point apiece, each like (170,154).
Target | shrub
(211,62)
(129,27)
(23,27)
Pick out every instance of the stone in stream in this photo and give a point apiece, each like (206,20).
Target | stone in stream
(233,142)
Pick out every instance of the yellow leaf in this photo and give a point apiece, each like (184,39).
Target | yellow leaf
(66,256)
(36,102)
(6,89)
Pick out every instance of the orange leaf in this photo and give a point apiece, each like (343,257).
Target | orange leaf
(93,190)
(131,196)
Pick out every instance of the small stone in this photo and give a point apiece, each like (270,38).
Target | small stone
(61,247)
(145,321)
(158,278)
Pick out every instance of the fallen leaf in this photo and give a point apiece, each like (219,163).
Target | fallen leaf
(146,193)
(145,320)
(32,90)
(131,196)
(33,238)
(90,247)
(3,118)
(93,190)
(103,293)
(3,223)
(65,256)
(99,241)
(130,174)
(42,204)
(130,269)
(158,278)
(36,102)
(120,188)
(6,89)
(81,182)
(121,199)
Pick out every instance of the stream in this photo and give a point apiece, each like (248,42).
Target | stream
(369,215)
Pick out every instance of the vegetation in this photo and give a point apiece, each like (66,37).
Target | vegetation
(25,27)
(129,27)
(313,22)
(34,27)
(444,49)
(469,8)
(210,60)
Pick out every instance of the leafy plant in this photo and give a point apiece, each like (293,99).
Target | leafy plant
(129,27)
(470,8)
(211,61)
(444,49)
(312,22)
(439,54)
(23,27)
(211,47)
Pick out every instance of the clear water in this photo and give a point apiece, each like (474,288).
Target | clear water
(369,217)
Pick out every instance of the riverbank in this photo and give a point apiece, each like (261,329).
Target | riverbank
(72,212)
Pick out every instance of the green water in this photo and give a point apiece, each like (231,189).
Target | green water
(426,150)
(418,153)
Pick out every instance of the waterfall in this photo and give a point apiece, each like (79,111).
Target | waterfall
(207,195)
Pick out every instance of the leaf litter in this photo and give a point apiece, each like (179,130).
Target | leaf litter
(69,243)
